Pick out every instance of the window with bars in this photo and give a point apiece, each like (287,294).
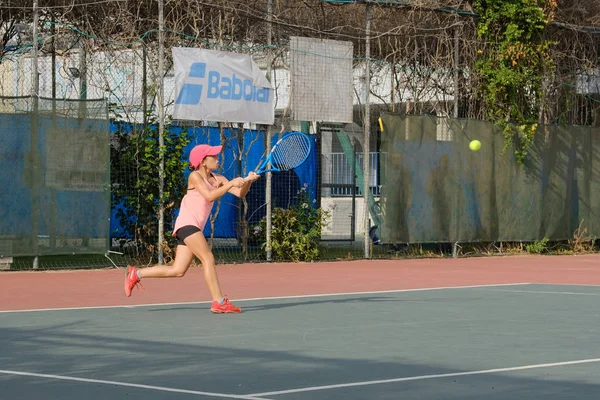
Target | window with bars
(340,177)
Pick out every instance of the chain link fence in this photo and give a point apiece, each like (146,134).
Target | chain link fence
(99,85)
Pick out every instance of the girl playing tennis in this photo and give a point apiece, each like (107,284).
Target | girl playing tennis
(204,187)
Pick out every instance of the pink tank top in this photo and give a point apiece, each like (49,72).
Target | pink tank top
(194,210)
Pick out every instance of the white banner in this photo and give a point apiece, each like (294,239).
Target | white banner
(221,86)
(321,79)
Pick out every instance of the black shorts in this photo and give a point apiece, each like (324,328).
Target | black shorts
(184,232)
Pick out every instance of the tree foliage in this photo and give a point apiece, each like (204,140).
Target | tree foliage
(513,63)
(134,180)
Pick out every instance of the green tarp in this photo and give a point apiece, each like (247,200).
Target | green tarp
(435,189)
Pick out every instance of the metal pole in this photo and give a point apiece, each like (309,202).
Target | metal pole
(35,77)
(269,216)
(35,72)
(144,85)
(393,92)
(82,79)
(456,98)
(353,220)
(456,72)
(53,44)
(367,129)
(161,127)
(53,211)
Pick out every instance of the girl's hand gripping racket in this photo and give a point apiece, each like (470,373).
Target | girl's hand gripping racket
(288,153)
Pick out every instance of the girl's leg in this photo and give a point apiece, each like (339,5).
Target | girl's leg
(197,244)
(183,260)
(220,305)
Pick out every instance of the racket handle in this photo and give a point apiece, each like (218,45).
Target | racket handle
(247,178)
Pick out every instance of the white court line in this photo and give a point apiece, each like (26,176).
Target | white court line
(568,284)
(133,385)
(266,298)
(540,292)
(423,377)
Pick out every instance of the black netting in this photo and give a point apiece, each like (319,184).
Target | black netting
(54,174)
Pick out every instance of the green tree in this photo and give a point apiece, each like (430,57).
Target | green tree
(512,63)
(135,183)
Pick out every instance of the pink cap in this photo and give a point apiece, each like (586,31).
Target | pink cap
(202,150)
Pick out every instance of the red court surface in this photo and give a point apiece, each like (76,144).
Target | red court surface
(96,288)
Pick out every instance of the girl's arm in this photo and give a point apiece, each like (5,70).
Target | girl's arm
(212,195)
(241,191)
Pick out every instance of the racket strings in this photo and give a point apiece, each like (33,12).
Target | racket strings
(291,152)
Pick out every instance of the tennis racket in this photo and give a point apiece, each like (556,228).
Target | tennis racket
(288,153)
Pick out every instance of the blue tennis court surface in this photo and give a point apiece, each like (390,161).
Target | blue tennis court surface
(524,341)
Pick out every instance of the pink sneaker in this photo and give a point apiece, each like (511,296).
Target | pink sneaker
(131,280)
(225,308)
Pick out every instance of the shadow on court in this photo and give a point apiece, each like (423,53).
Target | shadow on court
(223,370)
(332,301)
(325,341)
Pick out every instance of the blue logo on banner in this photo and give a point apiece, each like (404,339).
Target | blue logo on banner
(219,86)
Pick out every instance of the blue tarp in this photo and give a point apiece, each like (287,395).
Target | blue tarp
(79,213)
(284,189)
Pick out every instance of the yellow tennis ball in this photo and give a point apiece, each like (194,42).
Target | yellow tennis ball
(475,145)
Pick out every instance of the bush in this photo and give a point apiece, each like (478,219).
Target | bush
(296,231)
(537,247)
